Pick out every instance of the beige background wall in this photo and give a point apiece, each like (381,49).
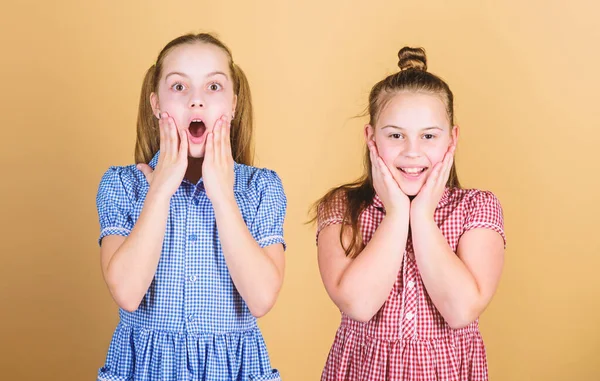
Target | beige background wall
(525,76)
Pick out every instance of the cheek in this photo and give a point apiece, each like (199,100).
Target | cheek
(436,154)
(388,152)
(223,100)
(169,100)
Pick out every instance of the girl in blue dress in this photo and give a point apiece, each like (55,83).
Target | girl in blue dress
(192,236)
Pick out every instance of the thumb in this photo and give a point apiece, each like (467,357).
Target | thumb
(146,170)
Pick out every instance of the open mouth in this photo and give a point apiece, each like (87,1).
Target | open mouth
(197,128)
(412,171)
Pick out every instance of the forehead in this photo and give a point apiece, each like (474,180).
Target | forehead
(196,59)
(414,110)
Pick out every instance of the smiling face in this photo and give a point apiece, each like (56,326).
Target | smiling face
(196,89)
(412,134)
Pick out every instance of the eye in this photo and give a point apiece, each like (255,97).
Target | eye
(215,86)
(428,136)
(178,87)
(396,136)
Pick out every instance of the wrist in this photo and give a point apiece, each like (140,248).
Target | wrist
(401,215)
(224,202)
(421,218)
(158,194)
(157,198)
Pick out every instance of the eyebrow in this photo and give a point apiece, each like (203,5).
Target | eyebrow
(211,74)
(402,128)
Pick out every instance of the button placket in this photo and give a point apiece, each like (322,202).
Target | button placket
(410,302)
(190,239)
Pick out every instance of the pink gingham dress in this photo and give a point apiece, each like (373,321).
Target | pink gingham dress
(408,339)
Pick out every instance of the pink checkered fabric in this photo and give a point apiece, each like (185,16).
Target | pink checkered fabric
(408,339)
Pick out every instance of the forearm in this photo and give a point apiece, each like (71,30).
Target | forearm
(367,282)
(450,285)
(132,267)
(255,275)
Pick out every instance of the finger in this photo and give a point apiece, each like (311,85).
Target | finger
(386,174)
(173,139)
(448,161)
(146,170)
(183,145)
(373,147)
(374,161)
(167,136)
(222,154)
(373,153)
(161,129)
(208,151)
(217,139)
(432,180)
(396,175)
(227,154)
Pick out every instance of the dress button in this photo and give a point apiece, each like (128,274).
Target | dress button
(410,315)
(193,278)
(193,237)
(196,201)
(410,284)
(191,318)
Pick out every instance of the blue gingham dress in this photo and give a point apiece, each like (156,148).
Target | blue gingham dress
(192,324)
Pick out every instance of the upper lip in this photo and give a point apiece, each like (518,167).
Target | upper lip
(195,118)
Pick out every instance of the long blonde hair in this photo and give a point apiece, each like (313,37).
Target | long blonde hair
(148,137)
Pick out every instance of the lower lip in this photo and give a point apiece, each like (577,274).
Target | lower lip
(197,140)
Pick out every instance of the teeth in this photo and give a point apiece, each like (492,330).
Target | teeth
(413,170)
(196,120)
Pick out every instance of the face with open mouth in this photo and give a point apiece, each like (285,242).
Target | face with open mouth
(412,134)
(195,89)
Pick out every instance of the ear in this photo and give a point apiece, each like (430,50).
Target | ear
(455,133)
(154,104)
(369,133)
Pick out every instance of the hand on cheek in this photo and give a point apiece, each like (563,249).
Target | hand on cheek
(172,162)
(217,168)
(426,201)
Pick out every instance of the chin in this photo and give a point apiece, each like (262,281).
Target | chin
(411,190)
(196,152)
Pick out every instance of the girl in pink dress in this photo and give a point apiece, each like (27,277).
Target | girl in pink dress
(410,258)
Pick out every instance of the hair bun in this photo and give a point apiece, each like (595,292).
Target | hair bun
(412,58)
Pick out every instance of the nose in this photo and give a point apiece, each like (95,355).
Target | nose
(411,149)
(196,102)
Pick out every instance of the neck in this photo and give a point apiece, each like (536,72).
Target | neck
(194,169)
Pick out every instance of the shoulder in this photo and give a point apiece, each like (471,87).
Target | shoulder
(472,199)
(331,208)
(249,179)
(119,181)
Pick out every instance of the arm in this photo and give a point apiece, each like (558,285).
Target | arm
(257,273)
(360,286)
(460,286)
(129,263)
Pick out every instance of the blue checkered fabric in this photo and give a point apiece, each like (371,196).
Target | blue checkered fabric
(192,323)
